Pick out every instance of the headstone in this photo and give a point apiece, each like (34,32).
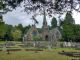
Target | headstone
(78,46)
(49,48)
(69,44)
(4,49)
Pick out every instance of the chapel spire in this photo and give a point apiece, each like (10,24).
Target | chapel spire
(45,33)
(44,19)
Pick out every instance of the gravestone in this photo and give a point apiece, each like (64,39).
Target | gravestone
(4,49)
(77,46)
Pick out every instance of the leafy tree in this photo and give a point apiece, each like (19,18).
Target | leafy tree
(1,20)
(8,30)
(71,32)
(26,28)
(39,30)
(77,33)
(6,37)
(20,26)
(68,27)
(3,29)
(59,6)
(53,22)
(69,19)
(2,5)
(16,34)
(68,32)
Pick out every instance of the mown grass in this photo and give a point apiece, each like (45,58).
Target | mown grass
(41,55)
(46,54)
(1,42)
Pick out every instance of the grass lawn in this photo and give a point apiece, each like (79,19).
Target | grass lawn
(1,41)
(31,55)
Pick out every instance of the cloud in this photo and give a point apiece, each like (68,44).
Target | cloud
(18,16)
(76,16)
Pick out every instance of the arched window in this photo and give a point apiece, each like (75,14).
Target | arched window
(34,33)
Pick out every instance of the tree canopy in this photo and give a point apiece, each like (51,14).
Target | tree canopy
(70,31)
(16,34)
(69,19)
(53,23)
(51,6)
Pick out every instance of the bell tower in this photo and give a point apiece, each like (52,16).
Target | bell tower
(45,28)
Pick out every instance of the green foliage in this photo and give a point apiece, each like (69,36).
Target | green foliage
(1,20)
(3,29)
(37,38)
(59,6)
(68,27)
(26,28)
(69,19)
(20,27)
(16,34)
(39,30)
(68,32)
(1,3)
(77,33)
(53,23)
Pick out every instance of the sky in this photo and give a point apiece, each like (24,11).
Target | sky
(19,17)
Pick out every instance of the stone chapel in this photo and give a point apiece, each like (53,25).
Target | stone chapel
(47,35)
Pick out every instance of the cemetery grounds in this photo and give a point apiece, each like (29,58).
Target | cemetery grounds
(17,52)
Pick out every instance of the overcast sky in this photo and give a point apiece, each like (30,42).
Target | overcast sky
(18,16)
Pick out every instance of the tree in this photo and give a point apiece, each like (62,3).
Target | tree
(16,34)
(8,30)
(77,33)
(53,22)
(2,29)
(5,28)
(26,28)
(20,26)
(69,19)
(52,6)
(6,36)
(39,30)
(68,28)
(68,32)
(1,20)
